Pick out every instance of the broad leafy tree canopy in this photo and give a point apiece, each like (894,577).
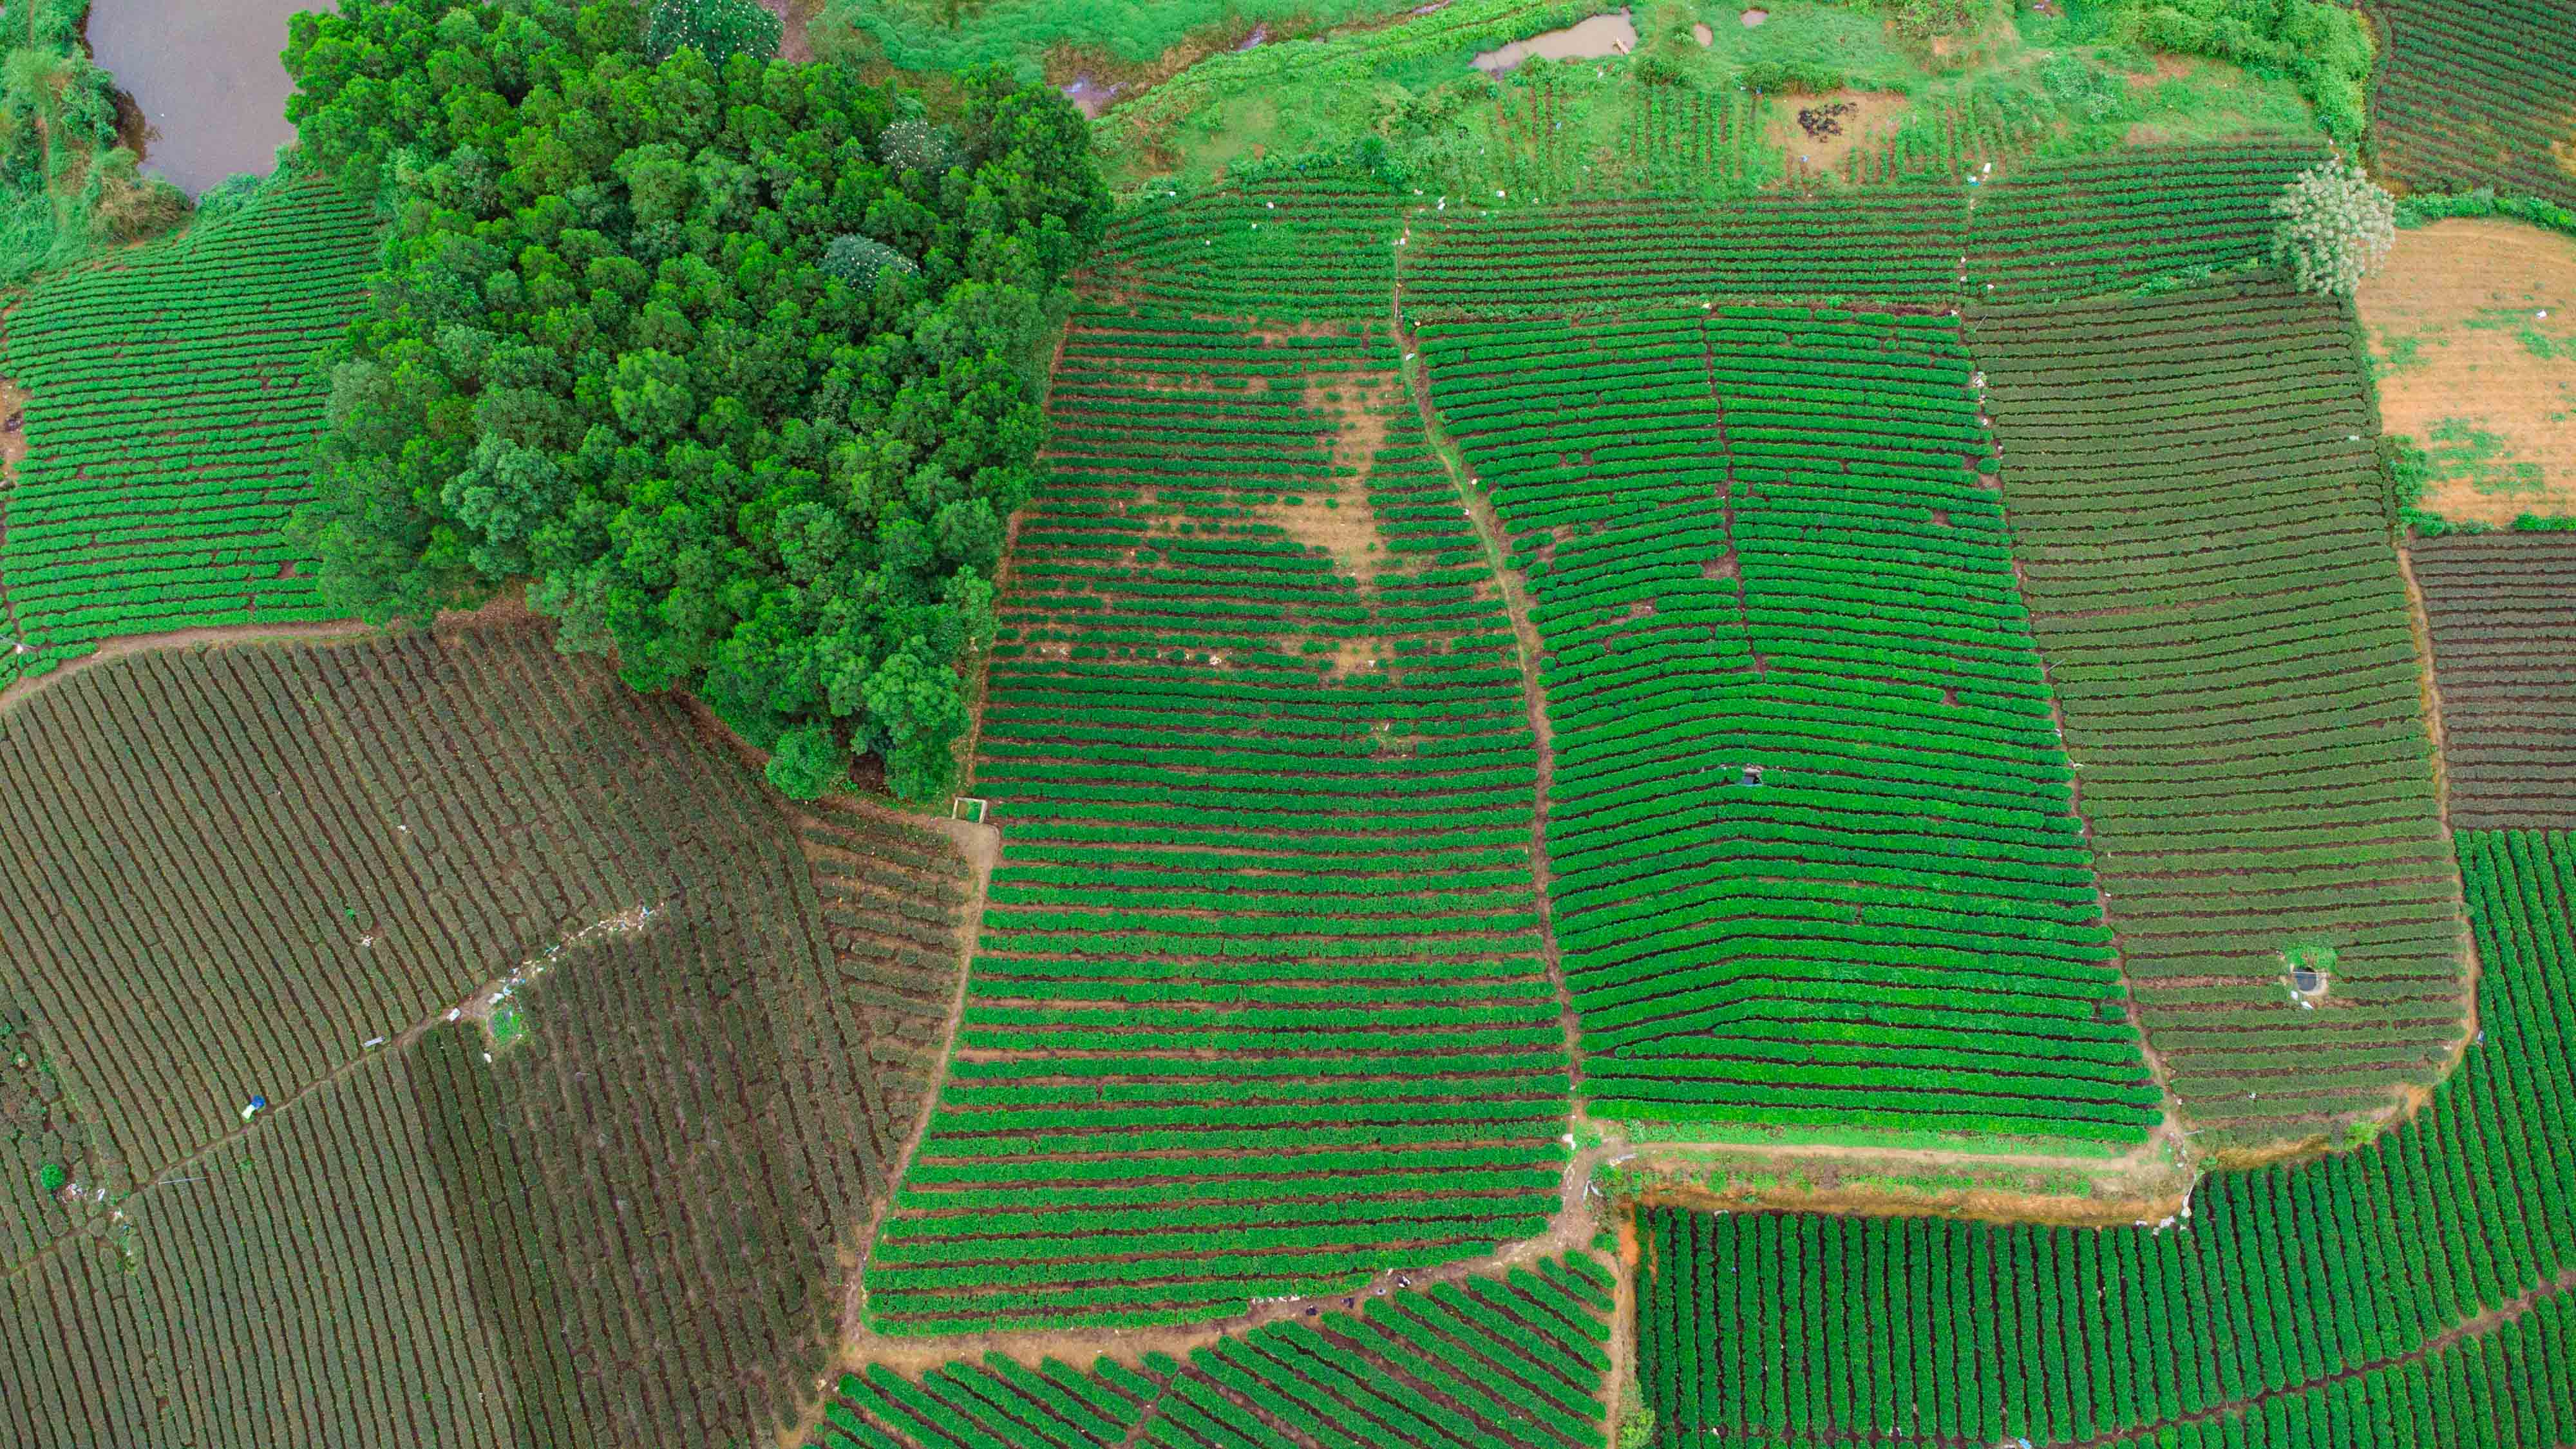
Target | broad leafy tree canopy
(736,365)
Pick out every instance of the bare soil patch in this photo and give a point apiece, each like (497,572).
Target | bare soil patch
(13,429)
(2472,371)
(2167,67)
(1335,517)
(793,44)
(1816,133)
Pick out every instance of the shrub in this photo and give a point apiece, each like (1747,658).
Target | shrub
(2336,228)
(2324,49)
(809,761)
(717,29)
(51,1177)
(1791,77)
(860,260)
(914,144)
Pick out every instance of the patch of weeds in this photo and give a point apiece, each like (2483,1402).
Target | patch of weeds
(2462,450)
(2086,91)
(1636,1420)
(2397,352)
(2524,324)
(509,1028)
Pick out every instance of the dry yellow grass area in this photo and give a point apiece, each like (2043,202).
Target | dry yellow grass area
(2472,328)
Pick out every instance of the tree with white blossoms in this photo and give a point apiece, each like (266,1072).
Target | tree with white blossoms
(2336,227)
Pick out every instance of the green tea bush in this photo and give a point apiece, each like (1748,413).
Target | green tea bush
(2368,1300)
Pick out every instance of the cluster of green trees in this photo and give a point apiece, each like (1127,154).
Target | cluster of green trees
(2323,48)
(737,364)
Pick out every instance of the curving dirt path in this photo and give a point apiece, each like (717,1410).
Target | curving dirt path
(1527,646)
(1577,1219)
(982,847)
(2419,623)
(475,1006)
(18,692)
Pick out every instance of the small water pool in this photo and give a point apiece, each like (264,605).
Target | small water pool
(207,77)
(1610,34)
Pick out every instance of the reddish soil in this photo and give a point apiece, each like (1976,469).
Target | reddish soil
(793,43)
(2419,622)
(2462,351)
(1865,121)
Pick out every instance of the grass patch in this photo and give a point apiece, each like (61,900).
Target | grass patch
(950,35)
(1676,116)
(2461,451)
(1718,1134)
(2396,352)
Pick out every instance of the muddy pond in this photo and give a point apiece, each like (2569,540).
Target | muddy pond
(1610,34)
(206,75)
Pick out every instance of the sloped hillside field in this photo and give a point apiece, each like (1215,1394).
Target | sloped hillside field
(2476,95)
(2203,540)
(1506,1361)
(2423,1286)
(584,1061)
(172,412)
(1815,857)
(2502,609)
(1259,1005)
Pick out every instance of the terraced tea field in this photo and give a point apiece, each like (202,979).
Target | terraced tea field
(304,873)
(2202,537)
(1511,1361)
(2076,227)
(1259,1005)
(171,418)
(1812,835)
(2476,95)
(2050,230)
(1653,772)
(2414,1291)
(2502,609)
(1888,246)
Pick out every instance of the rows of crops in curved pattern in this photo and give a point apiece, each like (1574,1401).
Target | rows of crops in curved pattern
(2475,95)
(173,412)
(2203,541)
(2059,228)
(1258,1006)
(1514,1361)
(2287,1310)
(1755,542)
